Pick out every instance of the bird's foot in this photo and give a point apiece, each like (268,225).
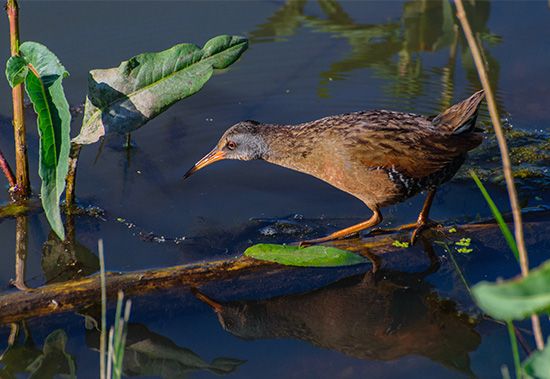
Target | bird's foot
(328,238)
(417,227)
(421,225)
(380,231)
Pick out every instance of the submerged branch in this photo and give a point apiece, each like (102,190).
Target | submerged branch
(82,293)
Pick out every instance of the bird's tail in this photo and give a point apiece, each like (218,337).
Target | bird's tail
(461,117)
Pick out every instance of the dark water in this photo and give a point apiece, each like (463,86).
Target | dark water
(306,60)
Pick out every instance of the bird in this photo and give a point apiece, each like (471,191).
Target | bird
(381,157)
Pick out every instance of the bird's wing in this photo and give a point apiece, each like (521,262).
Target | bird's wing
(408,143)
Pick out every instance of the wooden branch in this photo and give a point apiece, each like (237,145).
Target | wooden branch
(238,274)
(504,154)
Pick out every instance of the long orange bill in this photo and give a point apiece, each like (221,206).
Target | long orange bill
(213,156)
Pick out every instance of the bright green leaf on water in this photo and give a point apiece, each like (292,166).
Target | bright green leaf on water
(43,74)
(464,242)
(518,298)
(313,256)
(400,244)
(123,98)
(538,363)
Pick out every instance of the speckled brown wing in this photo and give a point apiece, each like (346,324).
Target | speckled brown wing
(407,143)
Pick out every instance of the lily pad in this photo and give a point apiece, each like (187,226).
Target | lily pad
(313,256)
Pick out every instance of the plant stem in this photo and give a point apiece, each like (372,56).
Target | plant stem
(22,189)
(103,333)
(71,176)
(506,165)
(515,350)
(21,248)
(6,169)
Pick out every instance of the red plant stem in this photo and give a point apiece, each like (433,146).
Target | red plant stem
(505,156)
(6,169)
(21,161)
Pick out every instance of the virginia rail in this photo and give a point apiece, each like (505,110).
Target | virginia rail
(381,157)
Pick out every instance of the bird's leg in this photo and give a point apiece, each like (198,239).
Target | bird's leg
(421,222)
(423,219)
(347,232)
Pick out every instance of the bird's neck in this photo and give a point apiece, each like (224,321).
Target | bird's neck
(290,146)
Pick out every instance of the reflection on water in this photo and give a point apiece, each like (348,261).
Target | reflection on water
(365,317)
(151,354)
(40,363)
(392,49)
(69,259)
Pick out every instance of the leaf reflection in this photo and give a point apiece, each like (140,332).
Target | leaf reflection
(393,50)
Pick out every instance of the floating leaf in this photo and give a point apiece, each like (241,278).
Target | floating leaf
(400,244)
(518,298)
(464,242)
(538,363)
(313,256)
(124,98)
(43,74)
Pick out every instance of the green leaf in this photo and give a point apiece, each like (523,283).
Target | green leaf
(498,216)
(313,256)
(538,363)
(518,298)
(44,87)
(124,98)
(16,70)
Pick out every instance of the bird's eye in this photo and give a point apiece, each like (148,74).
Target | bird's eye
(231,145)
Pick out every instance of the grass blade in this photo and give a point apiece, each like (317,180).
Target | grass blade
(515,350)
(498,216)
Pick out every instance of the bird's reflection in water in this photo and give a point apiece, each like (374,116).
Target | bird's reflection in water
(382,316)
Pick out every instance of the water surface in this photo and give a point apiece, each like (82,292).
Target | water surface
(306,60)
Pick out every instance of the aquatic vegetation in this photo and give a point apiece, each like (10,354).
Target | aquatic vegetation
(313,256)
(119,100)
(43,74)
(400,244)
(498,216)
(112,349)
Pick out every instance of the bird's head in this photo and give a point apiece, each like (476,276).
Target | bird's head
(242,141)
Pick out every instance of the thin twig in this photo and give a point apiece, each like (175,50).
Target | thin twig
(71,176)
(506,164)
(6,169)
